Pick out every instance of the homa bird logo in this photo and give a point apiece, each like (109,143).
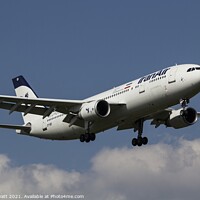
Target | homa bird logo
(87,109)
(26,95)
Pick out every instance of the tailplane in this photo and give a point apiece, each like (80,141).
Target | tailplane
(23,89)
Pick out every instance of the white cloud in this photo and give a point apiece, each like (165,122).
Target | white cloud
(152,172)
(36,178)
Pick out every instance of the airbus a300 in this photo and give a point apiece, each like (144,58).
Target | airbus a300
(127,106)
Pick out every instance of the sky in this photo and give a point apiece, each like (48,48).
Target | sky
(75,49)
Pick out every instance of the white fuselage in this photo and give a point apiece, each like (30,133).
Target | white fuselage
(144,96)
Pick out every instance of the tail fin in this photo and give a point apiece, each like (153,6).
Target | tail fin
(23,89)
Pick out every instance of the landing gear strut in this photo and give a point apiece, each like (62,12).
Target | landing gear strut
(87,137)
(184,103)
(139,141)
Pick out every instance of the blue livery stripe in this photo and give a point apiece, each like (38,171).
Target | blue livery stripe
(20,81)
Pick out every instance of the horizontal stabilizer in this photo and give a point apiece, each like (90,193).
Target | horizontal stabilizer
(16,127)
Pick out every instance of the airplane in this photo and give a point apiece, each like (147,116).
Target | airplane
(126,106)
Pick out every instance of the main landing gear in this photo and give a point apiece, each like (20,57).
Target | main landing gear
(139,141)
(87,137)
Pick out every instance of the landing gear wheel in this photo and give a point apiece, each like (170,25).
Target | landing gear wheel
(82,138)
(92,137)
(134,142)
(144,140)
(87,137)
(139,140)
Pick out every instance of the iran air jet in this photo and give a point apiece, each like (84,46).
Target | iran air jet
(127,106)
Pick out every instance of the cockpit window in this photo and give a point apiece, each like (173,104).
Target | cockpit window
(192,69)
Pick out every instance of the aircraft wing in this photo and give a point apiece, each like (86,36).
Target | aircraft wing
(160,117)
(157,118)
(39,106)
(44,107)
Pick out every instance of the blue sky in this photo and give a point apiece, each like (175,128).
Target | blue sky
(74,49)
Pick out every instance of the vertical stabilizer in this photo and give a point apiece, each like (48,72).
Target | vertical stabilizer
(23,89)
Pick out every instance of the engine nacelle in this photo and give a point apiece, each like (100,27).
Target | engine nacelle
(182,118)
(95,109)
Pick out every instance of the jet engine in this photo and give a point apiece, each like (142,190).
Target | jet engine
(182,118)
(95,109)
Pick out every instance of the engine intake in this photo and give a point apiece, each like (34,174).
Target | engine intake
(182,118)
(95,109)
